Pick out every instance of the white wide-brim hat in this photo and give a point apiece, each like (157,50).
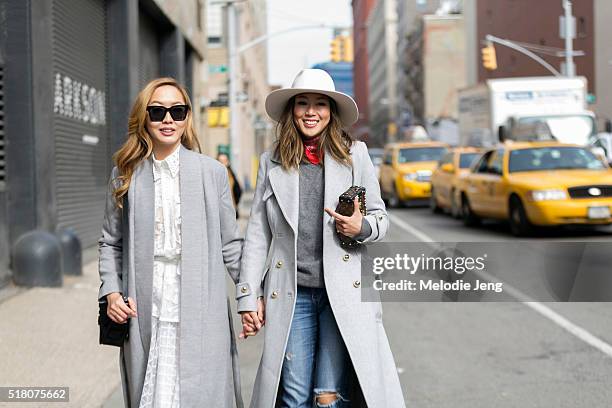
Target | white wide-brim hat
(312,81)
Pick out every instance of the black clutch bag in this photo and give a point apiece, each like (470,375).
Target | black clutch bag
(111,333)
(346,207)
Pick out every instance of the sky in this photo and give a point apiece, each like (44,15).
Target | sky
(289,53)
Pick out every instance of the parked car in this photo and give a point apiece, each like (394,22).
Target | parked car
(406,170)
(603,143)
(376,155)
(537,184)
(454,164)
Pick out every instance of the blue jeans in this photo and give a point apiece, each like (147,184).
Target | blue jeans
(316,360)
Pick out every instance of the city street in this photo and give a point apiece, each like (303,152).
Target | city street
(494,354)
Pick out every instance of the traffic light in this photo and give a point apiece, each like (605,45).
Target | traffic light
(335,53)
(489,59)
(347,48)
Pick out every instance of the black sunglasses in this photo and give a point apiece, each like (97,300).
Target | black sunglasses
(158,113)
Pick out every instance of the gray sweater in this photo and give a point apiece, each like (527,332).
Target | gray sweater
(310,227)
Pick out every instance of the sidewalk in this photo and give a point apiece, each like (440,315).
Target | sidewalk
(49,337)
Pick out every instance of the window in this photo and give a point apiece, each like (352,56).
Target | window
(481,165)
(467,159)
(496,163)
(420,154)
(553,158)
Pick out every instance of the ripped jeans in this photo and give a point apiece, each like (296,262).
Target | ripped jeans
(316,361)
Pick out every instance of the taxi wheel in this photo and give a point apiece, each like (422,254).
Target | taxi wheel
(455,210)
(469,218)
(433,203)
(393,199)
(519,223)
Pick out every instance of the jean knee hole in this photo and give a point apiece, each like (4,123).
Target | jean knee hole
(338,398)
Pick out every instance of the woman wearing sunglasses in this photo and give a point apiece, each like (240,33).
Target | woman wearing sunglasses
(322,344)
(169,233)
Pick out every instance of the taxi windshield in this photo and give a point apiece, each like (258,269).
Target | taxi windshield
(420,154)
(553,158)
(466,159)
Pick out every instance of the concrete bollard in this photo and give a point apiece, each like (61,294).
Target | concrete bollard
(37,260)
(71,252)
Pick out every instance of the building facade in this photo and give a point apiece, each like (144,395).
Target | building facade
(410,68)
(361,12)
(382,75)
(70,73)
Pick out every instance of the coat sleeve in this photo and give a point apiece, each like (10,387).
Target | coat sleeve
(256,246)
(377,213)
(231,241)
(110,244)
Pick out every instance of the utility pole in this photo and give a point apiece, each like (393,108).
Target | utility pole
(232,88)
(570,68)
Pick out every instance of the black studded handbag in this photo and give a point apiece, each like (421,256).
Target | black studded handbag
(346,207)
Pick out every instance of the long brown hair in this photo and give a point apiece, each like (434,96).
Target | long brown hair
(334,140)
(139,144)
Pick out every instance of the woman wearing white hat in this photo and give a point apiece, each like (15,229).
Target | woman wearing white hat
(322,343)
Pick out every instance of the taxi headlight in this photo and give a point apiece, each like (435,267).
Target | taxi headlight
(410,176)
(545,195)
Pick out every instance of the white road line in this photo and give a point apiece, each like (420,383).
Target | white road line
(543,310)
(409,228)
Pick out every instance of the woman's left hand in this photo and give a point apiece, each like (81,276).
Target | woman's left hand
(349,226)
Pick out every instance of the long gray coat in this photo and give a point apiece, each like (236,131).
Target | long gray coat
(269,269)
(208,362)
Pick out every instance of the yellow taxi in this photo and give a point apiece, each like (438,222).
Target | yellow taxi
(537,184)
(405,173)
(453,165)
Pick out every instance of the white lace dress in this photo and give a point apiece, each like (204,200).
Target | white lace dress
(161,384)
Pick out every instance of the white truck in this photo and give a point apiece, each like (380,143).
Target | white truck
(518,108)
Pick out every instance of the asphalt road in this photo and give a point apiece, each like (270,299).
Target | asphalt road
(509,354)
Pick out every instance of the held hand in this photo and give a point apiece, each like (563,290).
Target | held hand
(252,322)
(349,226)
(117,310)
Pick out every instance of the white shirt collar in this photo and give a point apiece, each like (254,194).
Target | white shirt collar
(171,163)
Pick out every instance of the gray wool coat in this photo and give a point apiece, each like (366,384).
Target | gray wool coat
(208,362)
(269,269)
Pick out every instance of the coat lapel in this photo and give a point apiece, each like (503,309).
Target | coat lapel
(194,274)
(142,201)
(286,187)
(338,178)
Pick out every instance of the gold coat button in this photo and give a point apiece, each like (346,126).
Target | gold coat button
(244,289)
(274,295)
(356,284)
(346,257)
(279,264)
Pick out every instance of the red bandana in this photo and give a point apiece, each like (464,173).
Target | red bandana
(311,149)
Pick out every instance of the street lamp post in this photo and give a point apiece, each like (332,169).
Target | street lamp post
(232,88)
(570,68)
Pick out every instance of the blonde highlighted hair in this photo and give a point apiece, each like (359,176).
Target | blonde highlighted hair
(139,144)
(334,140)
